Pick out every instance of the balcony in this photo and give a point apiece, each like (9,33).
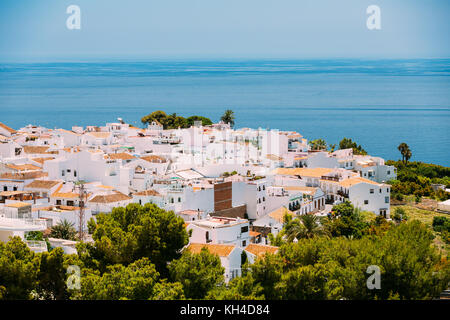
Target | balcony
(37,246)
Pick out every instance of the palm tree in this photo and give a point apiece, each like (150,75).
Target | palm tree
(318,144)
(63,230)
(228,117)
(405,151)
(312,227)
(306,226)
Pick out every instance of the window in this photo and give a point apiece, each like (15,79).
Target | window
(74,173)
(380,190)
(244,229)
(366,201)
(70,203)
(58,202)
(244,243)
(371,190)
(14,188)
(62,173)
(207,236)
(179,199)
(386,199)
(389,172)
(5,188)
(387,190)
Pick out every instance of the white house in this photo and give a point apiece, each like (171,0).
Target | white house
(220,230)
(230,257)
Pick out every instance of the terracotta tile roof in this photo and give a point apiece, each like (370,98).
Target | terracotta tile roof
(149,192)
(67,131)
(154,159)
(109,198)
(222,250)
(274,157)
(36,149)
(120,156)
(10,130)
(352,181)
(42,184)
(18,205)
(24,175)
(279,213)
(58,194)
(307,172)
(260,249)
(105,187)
(12,193)
(23,167)
(42,160)
(102,135)
(70,195)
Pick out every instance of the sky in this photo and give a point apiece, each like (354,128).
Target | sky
(35,30)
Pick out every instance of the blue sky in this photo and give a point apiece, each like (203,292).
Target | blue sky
(209,29)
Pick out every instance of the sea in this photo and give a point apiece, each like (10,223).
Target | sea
(377,103)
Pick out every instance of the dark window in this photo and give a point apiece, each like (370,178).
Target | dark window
(244,229)
(244,243)
(74,173)
(58,202)
(15,189)
(5,188)
(366,201)
(371,190)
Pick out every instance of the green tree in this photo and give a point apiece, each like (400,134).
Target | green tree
(18,270)
(347,143)
(239,288)
(228,117)
(159,116)
(92,225)
(405,152)
(205,121)
(399,215)
(63,230)
(267,272)
(134,232)
(168,291)
(346,220)
(135,281)
(318,144)
(198,272)
(52,276)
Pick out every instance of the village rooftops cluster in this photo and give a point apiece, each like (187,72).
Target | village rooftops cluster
(232,187)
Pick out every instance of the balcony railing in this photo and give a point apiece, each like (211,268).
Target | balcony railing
(36,246)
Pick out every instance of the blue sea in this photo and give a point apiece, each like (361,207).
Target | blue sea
(378,103)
